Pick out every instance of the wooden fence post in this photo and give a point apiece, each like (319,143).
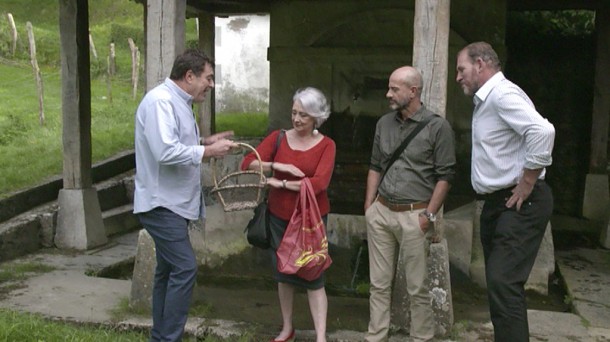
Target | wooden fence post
(37,73)
(11,23)
(135,65)
(92,47)
(110,71)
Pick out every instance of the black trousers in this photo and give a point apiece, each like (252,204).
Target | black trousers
(511,240)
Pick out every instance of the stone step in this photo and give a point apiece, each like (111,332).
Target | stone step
(120,220)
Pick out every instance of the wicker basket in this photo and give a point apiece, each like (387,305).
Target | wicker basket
(240,190)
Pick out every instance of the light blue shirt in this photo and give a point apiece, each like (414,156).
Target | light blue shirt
(168,153)
(508,135)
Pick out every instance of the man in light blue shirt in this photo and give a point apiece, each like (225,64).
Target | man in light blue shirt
(511,147)
(169,153)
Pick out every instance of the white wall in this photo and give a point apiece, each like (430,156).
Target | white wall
(241,54)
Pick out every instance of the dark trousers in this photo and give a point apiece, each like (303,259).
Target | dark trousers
(511,240)
(175,273)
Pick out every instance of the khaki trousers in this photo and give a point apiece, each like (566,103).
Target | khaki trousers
(390,232)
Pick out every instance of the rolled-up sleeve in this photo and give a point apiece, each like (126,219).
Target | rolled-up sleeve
(516,109)
(444,153)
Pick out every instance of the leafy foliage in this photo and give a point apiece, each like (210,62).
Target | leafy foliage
(567,23)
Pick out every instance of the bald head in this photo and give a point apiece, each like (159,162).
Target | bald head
(404,90)
(409,76)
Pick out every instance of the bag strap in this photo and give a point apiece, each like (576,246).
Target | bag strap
(277,143)
(404,144)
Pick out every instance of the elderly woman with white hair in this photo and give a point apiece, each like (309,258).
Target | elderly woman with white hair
(302,152)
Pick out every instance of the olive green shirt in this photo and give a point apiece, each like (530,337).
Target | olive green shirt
(429,157)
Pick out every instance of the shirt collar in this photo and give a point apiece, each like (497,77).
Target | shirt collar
(417,116)
(176,89)
(484,91)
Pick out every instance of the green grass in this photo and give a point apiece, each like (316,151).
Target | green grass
(22,327)
(19,271)
(244,124)
(31,153)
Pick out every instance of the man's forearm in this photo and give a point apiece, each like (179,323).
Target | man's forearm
(438,196)
(372,184)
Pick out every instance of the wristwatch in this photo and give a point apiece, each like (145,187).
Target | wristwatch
(428,215)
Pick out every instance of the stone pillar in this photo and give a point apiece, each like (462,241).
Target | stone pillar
(165,21)
(596,202)
(79,221)
(207,33)
(439,282)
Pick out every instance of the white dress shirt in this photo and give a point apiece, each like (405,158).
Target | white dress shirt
(508,135)
(168,153)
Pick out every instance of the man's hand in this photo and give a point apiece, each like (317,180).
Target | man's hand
(520,193)
(524,188)
(219,148)
(217,137)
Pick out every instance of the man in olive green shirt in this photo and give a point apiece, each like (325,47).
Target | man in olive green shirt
(401,209)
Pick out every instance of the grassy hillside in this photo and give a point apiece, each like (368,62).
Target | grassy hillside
(29,152)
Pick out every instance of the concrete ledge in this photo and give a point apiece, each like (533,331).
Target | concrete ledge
(120,220)
(22,201)
(19,238)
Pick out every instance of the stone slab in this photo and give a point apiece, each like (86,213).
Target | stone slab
(596,198)
(586,273)
(544,265)
(457,229)
(565,325)
(69,294)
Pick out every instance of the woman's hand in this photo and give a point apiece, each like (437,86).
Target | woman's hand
(274,183)
(288,168)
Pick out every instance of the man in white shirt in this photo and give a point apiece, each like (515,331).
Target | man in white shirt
(511,147)
(168,183)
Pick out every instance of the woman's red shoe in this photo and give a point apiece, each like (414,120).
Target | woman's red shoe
(289,338)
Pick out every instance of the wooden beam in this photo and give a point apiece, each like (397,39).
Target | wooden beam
(76,93)
(165,38)
(207,33)
(430,51)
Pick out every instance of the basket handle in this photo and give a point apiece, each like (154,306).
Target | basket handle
(258,157)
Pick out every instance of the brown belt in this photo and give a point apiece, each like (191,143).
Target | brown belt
(402,207)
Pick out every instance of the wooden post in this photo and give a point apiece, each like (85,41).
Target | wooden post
(430,57)
(111,60)
(79,219)
(207,33)
(11,23)
(93,50)
(135,66)
(37,74)
(110,71)
(165,22)
(430,51)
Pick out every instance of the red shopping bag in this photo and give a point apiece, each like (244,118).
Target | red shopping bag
(304,247)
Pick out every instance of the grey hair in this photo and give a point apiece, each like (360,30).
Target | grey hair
(314,103)
(484,51)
